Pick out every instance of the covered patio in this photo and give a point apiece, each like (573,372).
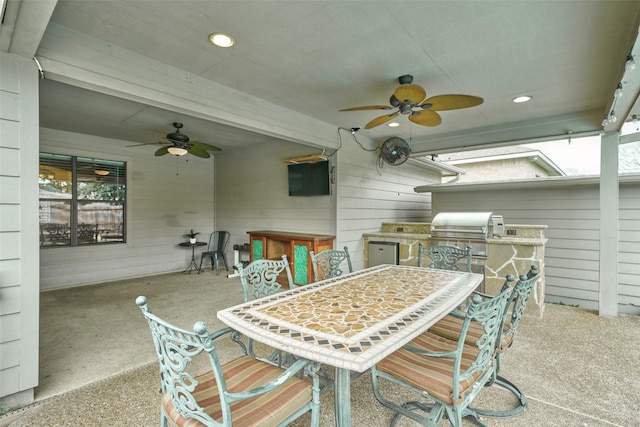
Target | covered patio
(98,364)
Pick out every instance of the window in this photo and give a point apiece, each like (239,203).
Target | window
(82,201)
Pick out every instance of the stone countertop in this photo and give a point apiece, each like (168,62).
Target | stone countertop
(509,240)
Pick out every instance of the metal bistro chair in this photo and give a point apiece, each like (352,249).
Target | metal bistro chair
(217,240)
(260,279)
(449,374)
(444,257)
(451,325)
(328,263)
(244,391)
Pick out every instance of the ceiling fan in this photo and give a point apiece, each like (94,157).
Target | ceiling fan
(409,99)
(179,144)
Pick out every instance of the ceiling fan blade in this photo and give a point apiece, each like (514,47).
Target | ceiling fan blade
(410,92)
(368,107)
(199,152)
(451,102)
(162,151)
(146,143)
(425,118)
(205,146)
(380,120)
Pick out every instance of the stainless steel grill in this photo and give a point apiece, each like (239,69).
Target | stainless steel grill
(466,228)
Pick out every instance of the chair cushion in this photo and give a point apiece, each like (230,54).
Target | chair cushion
(431,374)
(449,327)
(243,374)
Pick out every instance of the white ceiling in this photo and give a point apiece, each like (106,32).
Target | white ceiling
(316,57)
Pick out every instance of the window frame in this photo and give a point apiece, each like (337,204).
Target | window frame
(75,234)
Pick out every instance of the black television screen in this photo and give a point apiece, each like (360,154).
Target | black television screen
(309,179)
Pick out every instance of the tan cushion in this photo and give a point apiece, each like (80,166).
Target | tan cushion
(431,374)
(449,327)
(243,374)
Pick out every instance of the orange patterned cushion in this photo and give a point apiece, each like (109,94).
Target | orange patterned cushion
(431,374)
(243,374)
(449,327)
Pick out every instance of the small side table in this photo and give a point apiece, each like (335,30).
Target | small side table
(192,265)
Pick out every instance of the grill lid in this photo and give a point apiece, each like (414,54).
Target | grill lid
(467,225)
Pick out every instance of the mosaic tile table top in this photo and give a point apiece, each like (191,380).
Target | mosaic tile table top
(355,320)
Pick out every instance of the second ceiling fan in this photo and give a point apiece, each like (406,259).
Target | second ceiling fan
(409,99)
(179,144)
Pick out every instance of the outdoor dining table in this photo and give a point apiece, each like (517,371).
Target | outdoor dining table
(352,321)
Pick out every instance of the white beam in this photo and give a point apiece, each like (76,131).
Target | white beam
(609,228)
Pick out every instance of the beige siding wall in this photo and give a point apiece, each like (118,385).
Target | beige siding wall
(629,249)
(166,196)
(572,252)
(19,296)
(252,194)
(369,196)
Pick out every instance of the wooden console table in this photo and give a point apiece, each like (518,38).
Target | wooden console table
(268,244)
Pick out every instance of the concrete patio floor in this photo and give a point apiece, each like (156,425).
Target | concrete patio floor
(98,366)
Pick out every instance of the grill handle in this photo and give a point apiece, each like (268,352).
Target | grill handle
(482,231)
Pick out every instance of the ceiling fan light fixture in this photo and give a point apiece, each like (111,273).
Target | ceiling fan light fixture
(393,124)
(177,151)
(521,99)
(101,172)
(221,40)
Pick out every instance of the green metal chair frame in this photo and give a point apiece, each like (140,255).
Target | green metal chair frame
(328,263)
(215,398)
(449,327)
(465,368)
(259,279)
(444,257)
(219,239)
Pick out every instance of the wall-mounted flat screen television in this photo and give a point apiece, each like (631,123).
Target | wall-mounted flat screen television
(309,179)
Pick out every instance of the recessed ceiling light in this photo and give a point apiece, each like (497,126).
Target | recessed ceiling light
(221,40)
(393,124)
(521,99)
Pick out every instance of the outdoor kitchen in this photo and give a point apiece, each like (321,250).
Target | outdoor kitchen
(498,249)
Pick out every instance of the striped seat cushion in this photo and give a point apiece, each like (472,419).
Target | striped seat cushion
(449,327)
(243,374)
(431,374)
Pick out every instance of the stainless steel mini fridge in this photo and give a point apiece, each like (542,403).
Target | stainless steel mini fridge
(383,253)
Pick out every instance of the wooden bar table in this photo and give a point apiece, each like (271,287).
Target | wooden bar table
(353,321)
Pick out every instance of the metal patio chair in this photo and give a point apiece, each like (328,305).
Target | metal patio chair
(329,263)
(451,325)
(260,279)
(215,250)
(444,257)
(449,374)
(244,391)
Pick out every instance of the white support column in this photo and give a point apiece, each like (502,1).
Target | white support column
(609,227)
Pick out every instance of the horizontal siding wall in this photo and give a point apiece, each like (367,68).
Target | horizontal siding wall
(572,216)
(19,291)
(369,195)
(252,193)
(629,250)
(166,197)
